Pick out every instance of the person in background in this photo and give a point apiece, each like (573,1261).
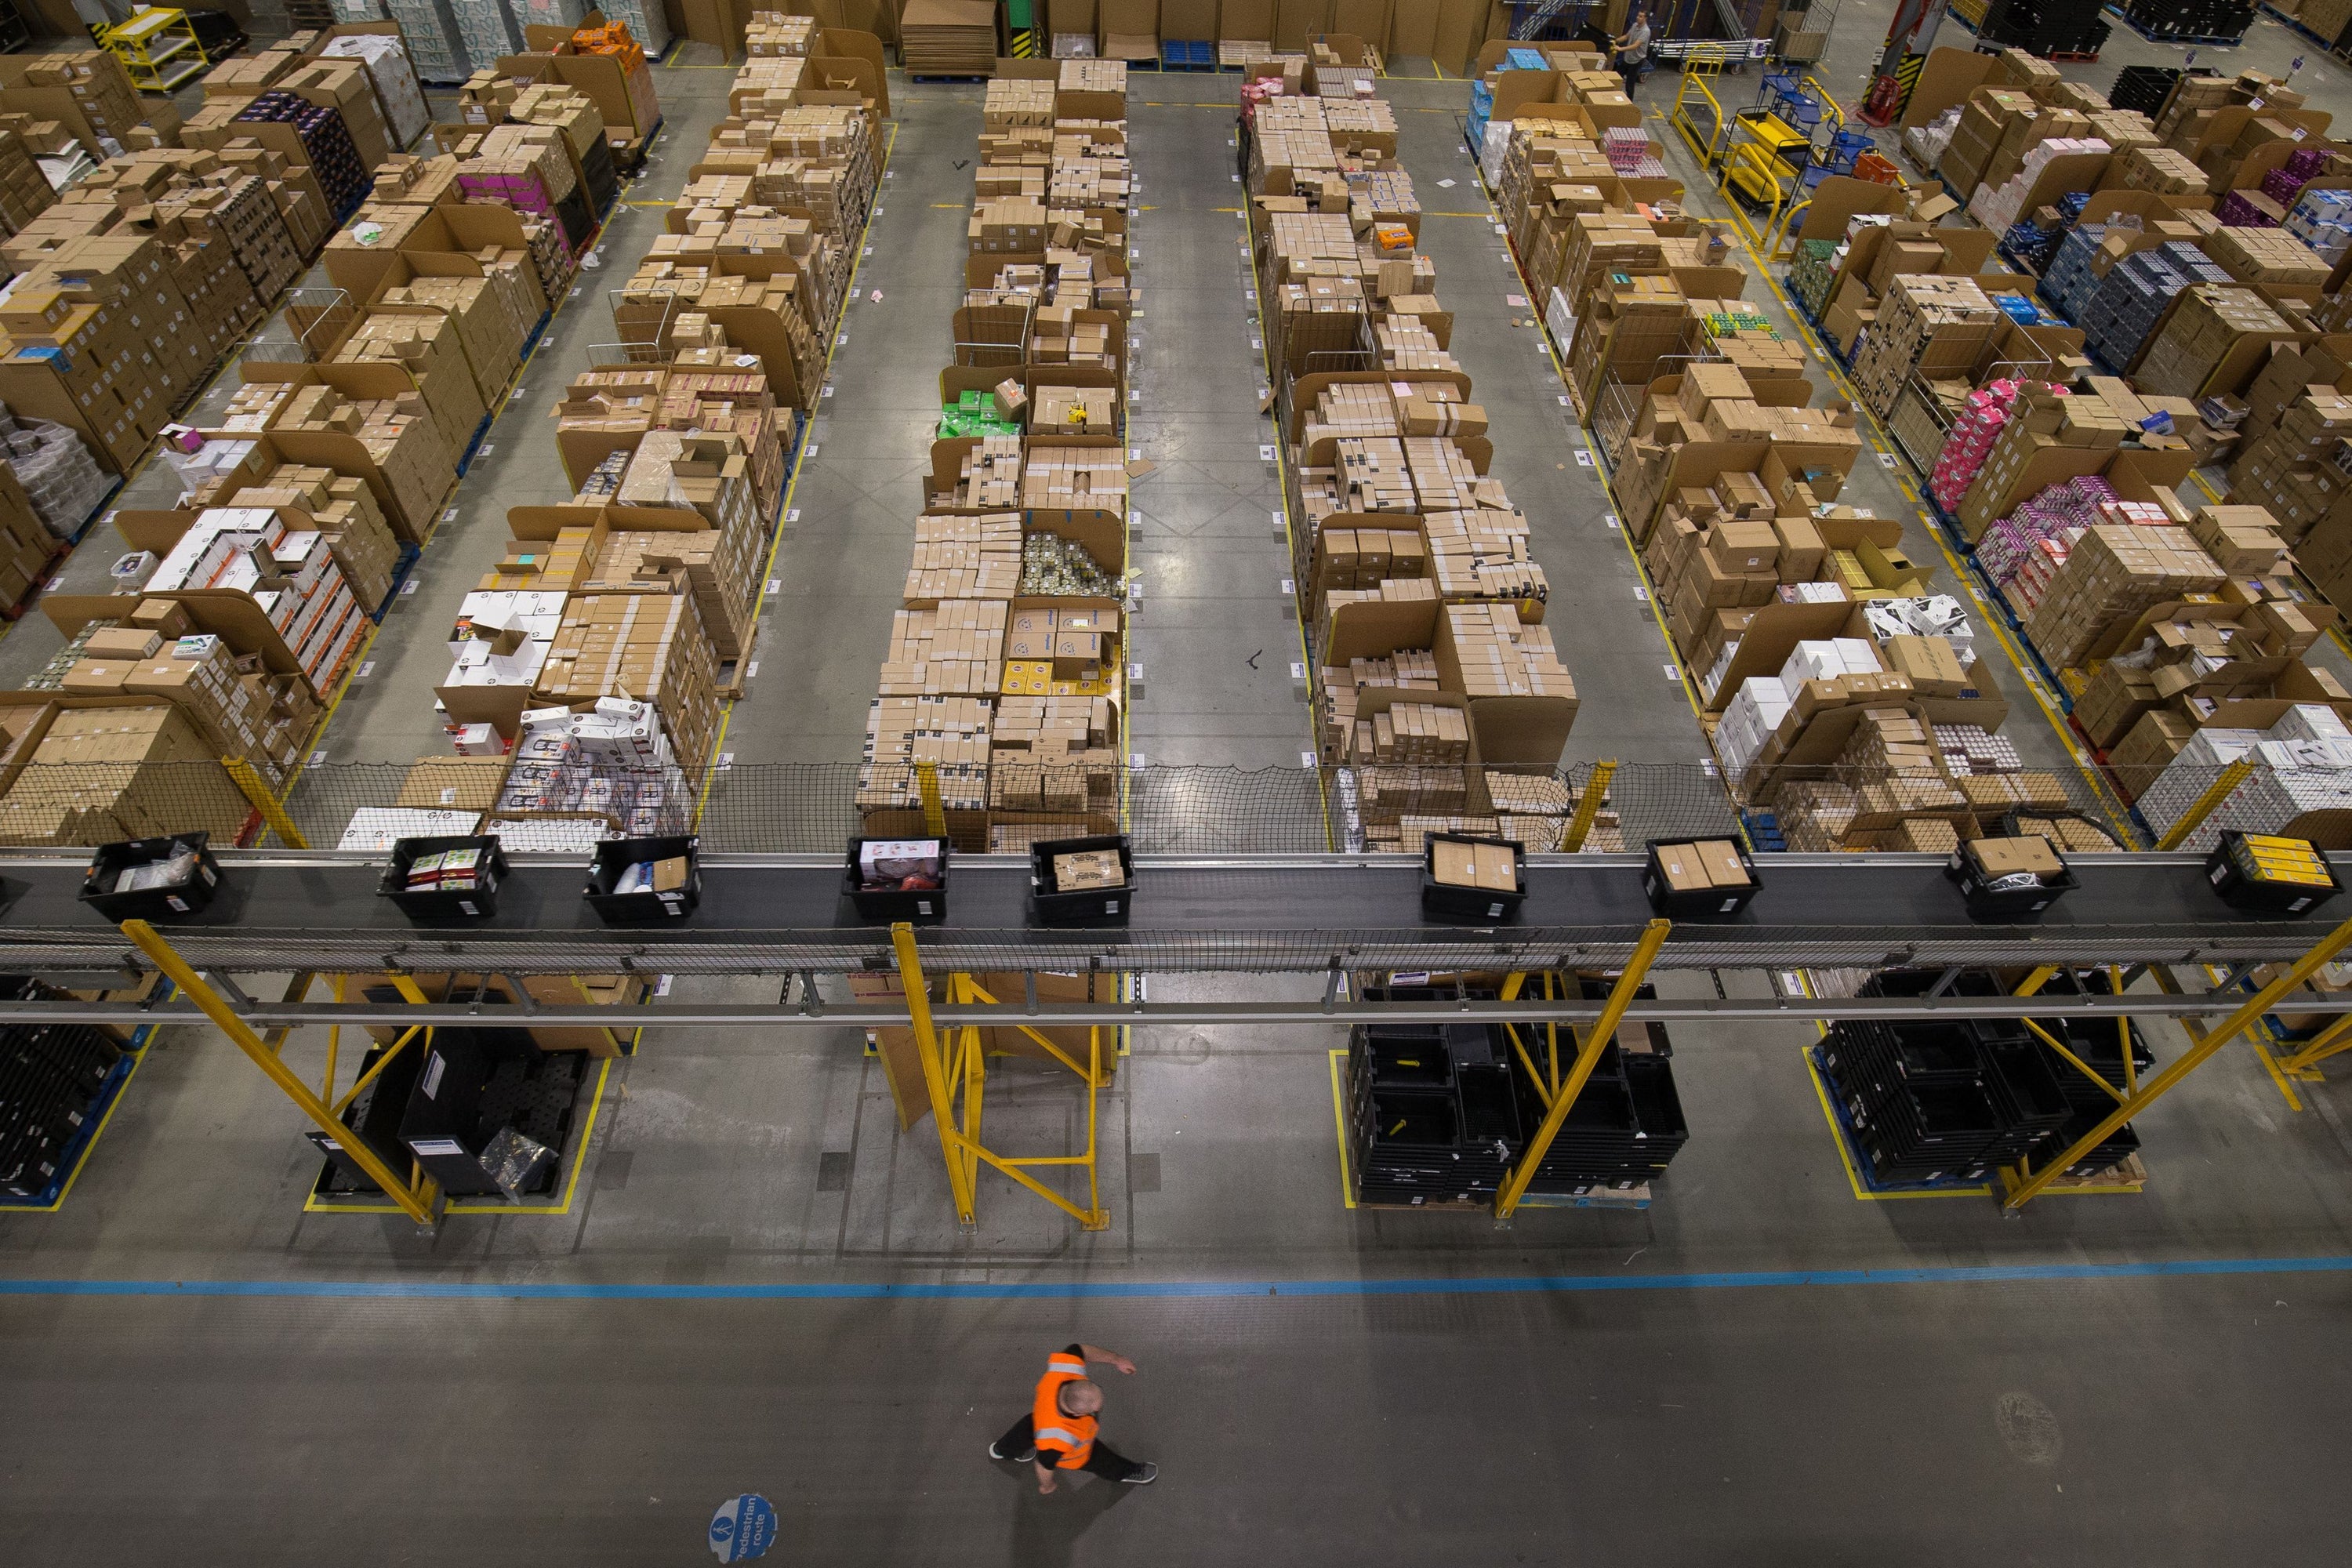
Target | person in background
(1632,48)
(1058,1433)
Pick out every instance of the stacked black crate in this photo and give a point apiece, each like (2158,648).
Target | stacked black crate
(51,1076)
(2099,1044)
(1917,1098)
(2143,87)
(1408,1142)
(2046,27)
(2187,21)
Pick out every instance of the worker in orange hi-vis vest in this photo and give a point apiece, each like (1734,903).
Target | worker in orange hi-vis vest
(1058,1433)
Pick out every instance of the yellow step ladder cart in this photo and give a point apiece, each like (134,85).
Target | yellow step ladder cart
(157,46)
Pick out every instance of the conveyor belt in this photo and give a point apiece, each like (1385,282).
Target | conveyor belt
(281,911)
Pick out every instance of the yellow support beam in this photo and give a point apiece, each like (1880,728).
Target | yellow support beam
(2201,1049)
(2334,1038)
(1588,806)
(2220,790)
(935,815)
(420,1203)
(1604,1029)
(272,814)
(935,1078)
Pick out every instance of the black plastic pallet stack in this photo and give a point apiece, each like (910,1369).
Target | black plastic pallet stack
(50,1078)
(1441,1113)
(2099,1044)
(2046,27)
(2143,87)
(2043,1101)
(2213,21)
(1942,1101)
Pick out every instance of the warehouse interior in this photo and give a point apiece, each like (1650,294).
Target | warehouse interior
(754,1263)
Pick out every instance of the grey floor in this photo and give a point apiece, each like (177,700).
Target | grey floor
(585,1385)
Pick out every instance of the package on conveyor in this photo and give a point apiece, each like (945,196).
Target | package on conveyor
(286,567)
(391,422)
(100,775)
(652,647)
(609,764)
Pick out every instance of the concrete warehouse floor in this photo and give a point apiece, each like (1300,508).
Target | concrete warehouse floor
(1758,1369)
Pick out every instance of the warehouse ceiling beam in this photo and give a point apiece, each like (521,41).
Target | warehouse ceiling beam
(2021,1187)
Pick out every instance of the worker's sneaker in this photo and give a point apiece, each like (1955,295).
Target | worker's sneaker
(1144,1476)
(996,1453)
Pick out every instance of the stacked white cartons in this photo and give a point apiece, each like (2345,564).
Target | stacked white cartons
(1936,616)
(649,25)
(2302,763)
(1827,658)
(394,79)
(484,619)
(1750,719)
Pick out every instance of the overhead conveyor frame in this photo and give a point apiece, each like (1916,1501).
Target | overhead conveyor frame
(1267,916)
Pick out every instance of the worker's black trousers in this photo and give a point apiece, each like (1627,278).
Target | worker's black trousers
(1104,1462)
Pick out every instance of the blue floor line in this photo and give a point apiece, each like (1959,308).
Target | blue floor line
(355,1290)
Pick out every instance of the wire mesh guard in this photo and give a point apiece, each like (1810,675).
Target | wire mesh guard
(812,808)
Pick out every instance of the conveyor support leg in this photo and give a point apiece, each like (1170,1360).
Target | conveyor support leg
(1604,1029)
(420,1203)
(2201,1049)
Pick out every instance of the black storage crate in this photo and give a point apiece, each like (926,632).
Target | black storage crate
(1697,903)
(372,1118)
(477,902)
(1050,905)
(614,858)
(2243,892)
(106,868)
(2020,906)
(885,906)
(1479,906)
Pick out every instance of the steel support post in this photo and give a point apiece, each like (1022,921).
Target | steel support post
(2220,790)
(1588,806)
(1604,1029)
(421,1202)
(2201,1049)
(272,814)
(2334,1038)
(935,1078)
